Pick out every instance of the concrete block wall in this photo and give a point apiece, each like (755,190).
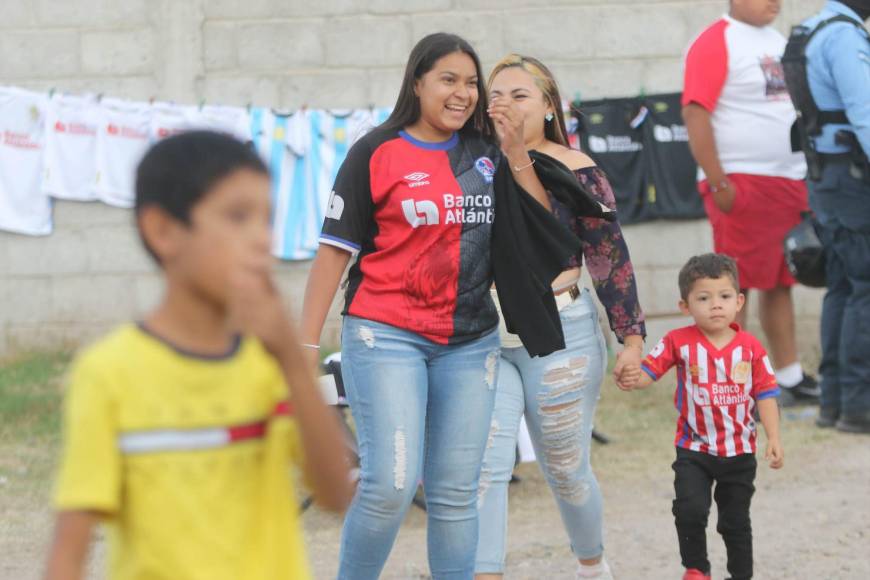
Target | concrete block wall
(91,273)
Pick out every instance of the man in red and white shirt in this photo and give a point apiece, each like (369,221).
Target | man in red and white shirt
(738,114)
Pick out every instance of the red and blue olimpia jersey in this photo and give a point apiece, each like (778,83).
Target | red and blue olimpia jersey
(716,388)
(419,215)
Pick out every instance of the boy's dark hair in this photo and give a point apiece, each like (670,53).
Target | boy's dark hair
(706,266)
(178,171)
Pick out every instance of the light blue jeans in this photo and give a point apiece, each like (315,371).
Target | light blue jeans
(422,411)
(558,394)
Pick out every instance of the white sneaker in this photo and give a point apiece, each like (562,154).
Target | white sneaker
(599,571)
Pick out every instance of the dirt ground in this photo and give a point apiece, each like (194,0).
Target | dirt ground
(810,519)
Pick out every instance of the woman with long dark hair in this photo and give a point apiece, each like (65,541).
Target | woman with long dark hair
(558,392)
(415,203)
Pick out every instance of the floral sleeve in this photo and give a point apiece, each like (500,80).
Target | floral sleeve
(607,258)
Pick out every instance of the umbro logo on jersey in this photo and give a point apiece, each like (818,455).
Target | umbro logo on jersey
(60,127)
(420,213)
(417,179)
(335,207)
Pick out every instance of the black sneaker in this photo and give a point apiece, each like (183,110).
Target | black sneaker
(854,423)
(805,392)
(827,417)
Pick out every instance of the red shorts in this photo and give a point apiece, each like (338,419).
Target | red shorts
(765,209)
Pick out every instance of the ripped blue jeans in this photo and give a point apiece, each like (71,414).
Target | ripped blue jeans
(422,411)
(558,394)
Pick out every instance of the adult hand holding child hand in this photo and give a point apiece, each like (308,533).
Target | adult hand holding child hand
(627,371)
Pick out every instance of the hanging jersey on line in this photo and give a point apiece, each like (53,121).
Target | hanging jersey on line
(24,207)
(169,119)
(332,134)
(282,140)
(70,170)
(122,140)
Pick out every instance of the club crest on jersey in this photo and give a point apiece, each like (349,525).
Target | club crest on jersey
(741,371)
(485,167)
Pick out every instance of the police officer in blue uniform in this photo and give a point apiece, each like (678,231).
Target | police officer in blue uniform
(827,65)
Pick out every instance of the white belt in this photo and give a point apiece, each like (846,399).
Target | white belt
(564,299)
(567,297)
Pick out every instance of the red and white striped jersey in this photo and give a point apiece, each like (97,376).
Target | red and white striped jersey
(716,388)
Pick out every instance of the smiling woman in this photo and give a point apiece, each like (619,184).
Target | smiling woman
(558,393)
(441,91)
(415,202)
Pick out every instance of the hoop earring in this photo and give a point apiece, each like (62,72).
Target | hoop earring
(548,117)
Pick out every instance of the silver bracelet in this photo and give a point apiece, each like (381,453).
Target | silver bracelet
(518,169)
(314,346)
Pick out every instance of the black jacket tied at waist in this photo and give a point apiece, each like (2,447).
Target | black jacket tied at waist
(530,247)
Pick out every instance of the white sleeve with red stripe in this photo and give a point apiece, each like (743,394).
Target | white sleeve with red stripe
(661,358)
(706,67)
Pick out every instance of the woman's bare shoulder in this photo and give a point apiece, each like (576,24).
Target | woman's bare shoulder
(571,158)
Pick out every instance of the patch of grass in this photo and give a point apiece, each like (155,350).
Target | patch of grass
(30,396)
(640,425)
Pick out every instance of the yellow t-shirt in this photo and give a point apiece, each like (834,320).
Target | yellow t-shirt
(189,457)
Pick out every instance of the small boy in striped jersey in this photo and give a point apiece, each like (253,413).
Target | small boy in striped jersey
(723,373)
(180,430)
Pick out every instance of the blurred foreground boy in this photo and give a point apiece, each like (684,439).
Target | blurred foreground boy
(180,430)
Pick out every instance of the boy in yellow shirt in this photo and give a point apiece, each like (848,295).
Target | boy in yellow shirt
(180,430)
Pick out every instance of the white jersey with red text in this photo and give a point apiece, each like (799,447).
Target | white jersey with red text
(24,207)
(122,140)
(170,119)
(70,170)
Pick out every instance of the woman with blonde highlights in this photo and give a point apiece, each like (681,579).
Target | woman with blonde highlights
(558,392)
